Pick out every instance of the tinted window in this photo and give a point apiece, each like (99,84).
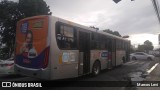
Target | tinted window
(66,37)
(139,53)
(68,31)
(98,41)
(118,44)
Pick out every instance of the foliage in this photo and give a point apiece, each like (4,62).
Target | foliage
(11,12)
(147,42)
(107,31)
(8,19)
(112,32)
(4,54)
(96,28)
(141,48)
(146,46)
(33,7)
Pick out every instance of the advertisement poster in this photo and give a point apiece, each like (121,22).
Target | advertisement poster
(31,40)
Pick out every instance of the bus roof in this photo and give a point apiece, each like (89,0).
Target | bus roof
(77,25)
(91,29)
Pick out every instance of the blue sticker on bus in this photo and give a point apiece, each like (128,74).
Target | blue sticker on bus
(24,27)
(104,54)
(65,57)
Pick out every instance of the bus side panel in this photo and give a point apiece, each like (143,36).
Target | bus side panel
(119,57)
(94,56)
(101,55)
(59,68)
(53,48)
(113,59)
(113,53)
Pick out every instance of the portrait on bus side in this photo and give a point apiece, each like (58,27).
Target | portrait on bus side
(27,49)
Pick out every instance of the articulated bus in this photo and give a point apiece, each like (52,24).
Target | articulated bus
(52,48)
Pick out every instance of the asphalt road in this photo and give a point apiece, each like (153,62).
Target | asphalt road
(134,70)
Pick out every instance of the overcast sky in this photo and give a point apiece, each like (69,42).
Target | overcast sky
(134,18)
(127,17)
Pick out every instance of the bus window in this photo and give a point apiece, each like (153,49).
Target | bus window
(66,37)
(122,45)
(95,36)
(109,44)
(117,44)
(102,42)
(102,45)
(96,44)
(68,31)
(92,36)
(92,44)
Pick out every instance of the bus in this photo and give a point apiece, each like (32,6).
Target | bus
(50,48)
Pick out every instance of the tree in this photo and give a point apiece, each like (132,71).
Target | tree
(112,32)
(146,46)
(33,7)
(11,12)
(148,43)
(116,33)
(141,48)
(8,19)
(94,28)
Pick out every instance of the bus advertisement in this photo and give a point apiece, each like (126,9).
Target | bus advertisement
(52,48)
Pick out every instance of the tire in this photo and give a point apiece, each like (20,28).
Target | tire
(96,68)
(134,58)
(149,58)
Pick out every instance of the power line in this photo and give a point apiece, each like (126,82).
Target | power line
(156,8)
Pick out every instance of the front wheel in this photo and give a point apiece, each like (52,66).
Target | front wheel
(96,68)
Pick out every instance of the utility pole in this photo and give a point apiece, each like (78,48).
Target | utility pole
(156,8)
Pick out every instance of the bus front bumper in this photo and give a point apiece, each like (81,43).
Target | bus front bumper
(35,73)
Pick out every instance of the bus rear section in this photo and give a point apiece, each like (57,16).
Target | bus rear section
(32,47)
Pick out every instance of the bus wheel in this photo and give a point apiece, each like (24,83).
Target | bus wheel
(96,68)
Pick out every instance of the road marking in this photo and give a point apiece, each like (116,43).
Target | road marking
(153,67)
(134,63)
(130,62)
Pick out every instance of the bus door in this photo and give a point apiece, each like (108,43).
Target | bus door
(113,52)
(109,62)
(84,52)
